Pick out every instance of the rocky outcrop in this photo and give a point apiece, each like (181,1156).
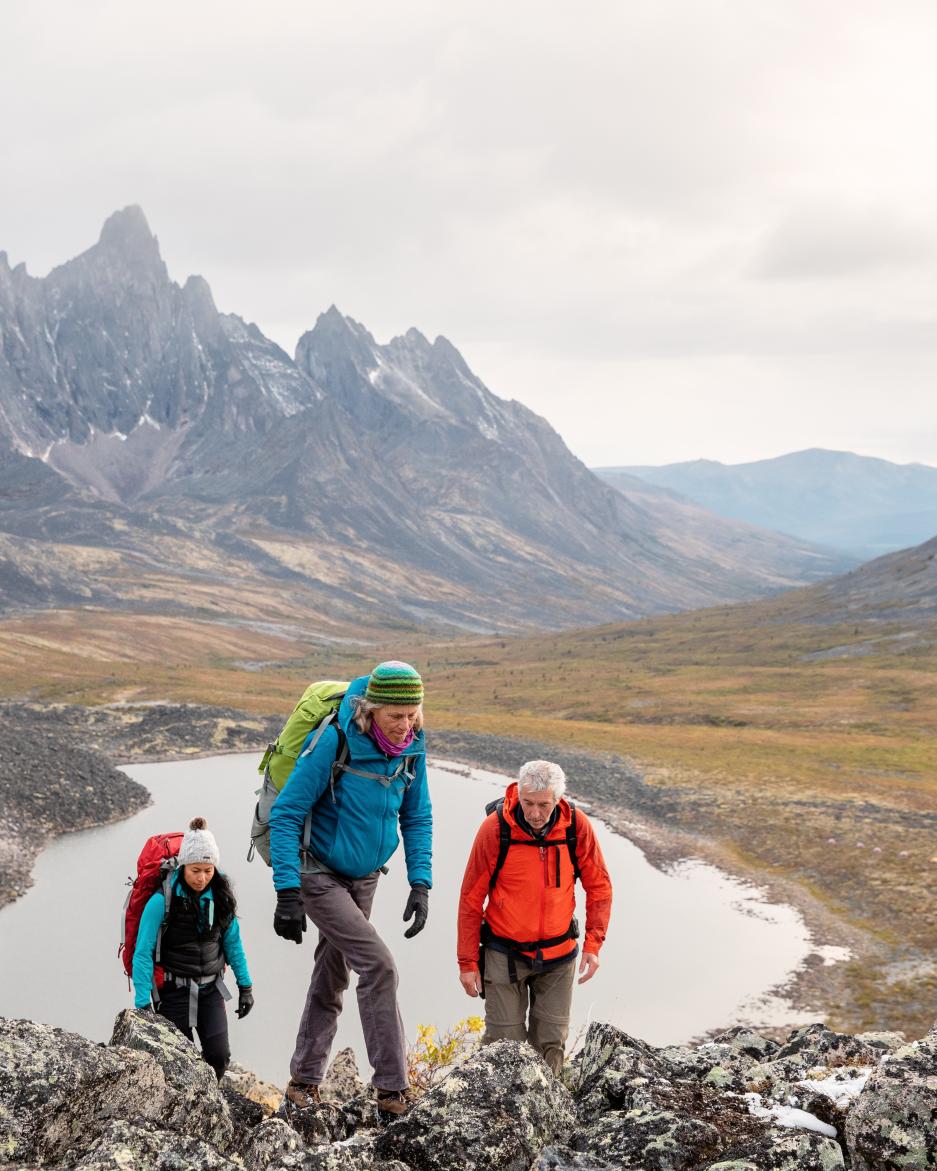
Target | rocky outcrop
(894,1121)
(738,1102)
(499,1109)
(50,784)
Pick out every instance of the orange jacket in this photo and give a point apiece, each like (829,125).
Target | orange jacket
(527,903)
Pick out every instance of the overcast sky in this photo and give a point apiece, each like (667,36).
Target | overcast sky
(676,229)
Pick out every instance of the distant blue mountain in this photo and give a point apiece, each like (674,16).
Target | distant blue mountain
(855,503)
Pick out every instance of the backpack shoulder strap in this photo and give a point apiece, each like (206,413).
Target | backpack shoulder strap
(167,885)
(504,839)
(571,835)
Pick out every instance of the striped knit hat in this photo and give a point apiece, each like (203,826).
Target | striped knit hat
(395,682)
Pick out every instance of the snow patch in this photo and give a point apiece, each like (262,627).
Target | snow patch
(787,1116)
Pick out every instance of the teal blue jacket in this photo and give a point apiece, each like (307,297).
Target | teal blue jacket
(354,828)
(145,948)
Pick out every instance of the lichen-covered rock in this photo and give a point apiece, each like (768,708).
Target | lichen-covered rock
(249,1086)
(884,1042)
(893,1123)
(744,1042)
(58,1091)
(271,1144)
(612,1066)
(648,1138)
(124,1146)
(342,1082)
(496,1112)
(245,1116)
(199,1107)
(787,1150)
(325,1123)
(816,1045)
(669,1125)
(558,1158)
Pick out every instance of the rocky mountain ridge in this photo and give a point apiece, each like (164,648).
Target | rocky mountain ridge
(817,1101)
(138,413)
(859,504)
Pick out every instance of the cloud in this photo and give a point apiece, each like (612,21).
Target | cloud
(839,242)
(578,185)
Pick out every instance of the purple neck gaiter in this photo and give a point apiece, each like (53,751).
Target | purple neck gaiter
(389,746)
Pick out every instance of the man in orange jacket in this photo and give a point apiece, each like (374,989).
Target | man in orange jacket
(517,933)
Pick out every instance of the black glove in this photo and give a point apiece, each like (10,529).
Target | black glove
(289,919)
(417,909)
(245,1001)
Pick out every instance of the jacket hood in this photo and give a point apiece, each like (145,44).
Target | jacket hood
(512,801)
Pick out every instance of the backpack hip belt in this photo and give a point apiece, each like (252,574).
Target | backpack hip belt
(194,986)
(516,948)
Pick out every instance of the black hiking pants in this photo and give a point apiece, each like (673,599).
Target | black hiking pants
(212,1022)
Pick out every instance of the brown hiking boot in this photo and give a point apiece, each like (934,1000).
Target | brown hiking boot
(303,1094)
(394,1101)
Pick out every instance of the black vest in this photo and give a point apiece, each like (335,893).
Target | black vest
(186,952)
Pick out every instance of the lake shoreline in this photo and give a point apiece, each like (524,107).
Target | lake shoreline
(615,790)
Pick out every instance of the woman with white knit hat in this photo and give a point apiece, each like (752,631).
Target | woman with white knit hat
(190,942)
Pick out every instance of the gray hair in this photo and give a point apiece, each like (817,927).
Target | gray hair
(362,709)
(542,774)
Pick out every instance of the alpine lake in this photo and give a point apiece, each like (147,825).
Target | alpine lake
(688,950)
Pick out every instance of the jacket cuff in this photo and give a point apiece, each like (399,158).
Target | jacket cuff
(468,965)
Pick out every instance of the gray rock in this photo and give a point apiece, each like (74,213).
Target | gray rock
(498,1110)
(612,1066)
(198,1107)
(886,1042)
(893,1123)
(124,1146)
(342,1082)
(787,1150)
(563,1159)
(273,1142)
(746,1042)
(816,1045)
(649,1138)
(668,1125)
(58,1091)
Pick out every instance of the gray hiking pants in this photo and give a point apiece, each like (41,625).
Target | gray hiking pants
(549,996)
(340,908)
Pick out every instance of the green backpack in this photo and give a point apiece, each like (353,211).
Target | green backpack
(316,709)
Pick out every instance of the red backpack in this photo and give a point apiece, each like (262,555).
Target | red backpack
(155,867)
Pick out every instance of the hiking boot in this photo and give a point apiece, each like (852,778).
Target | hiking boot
(394,1101)
(303,1094)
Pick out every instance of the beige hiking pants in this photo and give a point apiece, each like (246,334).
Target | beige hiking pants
(548,995)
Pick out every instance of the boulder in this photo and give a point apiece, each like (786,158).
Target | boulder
(648,1137)
(498,1110)
(273,1142)
(249,1086)
(124,1146)
(59,1091)
(198,1107)
(612,1066)
(893,1123)
(742,1042)
(787,1150)
(563,1159)
(816,1045)
(342,1082)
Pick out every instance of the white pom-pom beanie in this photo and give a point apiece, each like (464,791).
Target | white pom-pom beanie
(198,844)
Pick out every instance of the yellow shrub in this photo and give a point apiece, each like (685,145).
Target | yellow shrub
(432,1053)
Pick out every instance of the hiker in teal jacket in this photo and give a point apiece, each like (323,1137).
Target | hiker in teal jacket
(352,811)
(191,946)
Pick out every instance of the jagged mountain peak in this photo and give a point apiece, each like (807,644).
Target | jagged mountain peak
(128,228)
